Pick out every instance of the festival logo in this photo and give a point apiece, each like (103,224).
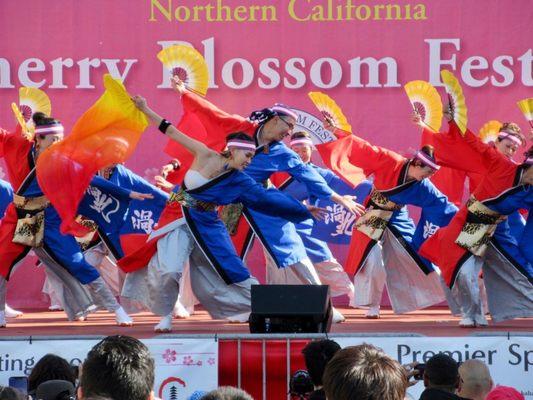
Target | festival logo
(170,389)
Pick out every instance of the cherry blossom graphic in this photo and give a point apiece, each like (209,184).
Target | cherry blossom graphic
(211,361)
(187,360)
(169,356)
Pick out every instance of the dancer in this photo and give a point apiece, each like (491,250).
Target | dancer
(478,237)
(385,239)
(219,278)
(31,222)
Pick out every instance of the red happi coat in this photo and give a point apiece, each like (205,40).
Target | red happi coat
(353,158)
(16,151)
(471,155)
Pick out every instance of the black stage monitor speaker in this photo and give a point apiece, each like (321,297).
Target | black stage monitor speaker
(290,309)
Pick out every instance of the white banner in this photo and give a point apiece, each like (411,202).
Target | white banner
(510,360)
(182,366)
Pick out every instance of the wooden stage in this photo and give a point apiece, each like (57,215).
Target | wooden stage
(428,322)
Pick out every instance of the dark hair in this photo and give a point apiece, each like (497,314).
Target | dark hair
(48,368)
(227,393)
(119,367)
(300,134)
(239,136)
(442,371)
(8,393)
(40,118)
(317,355)
(364,372)
(429,152)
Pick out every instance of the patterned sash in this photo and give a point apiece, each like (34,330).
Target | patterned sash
(376,217)
(186,200)
(480,225)
(30,220)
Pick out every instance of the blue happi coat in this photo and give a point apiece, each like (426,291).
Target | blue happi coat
(315,234)
(116,216)
(63,248)
(209,231)
(437,212)
(514,248)
(278,235)
(6,196)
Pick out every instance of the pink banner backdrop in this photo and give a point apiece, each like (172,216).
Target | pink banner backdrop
(259,52)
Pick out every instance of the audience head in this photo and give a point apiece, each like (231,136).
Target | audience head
(364,371)
(300,384)
(476,380)
(227,393)
(442,372)
(55,390)
(51,367)
(119,367)
(505,393)
(317,355)
(8,393)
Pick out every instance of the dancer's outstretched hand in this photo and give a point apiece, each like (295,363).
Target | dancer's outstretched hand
(162,183)
(140,196)
(178,85)
(140,102)
(318,213)
(349,203)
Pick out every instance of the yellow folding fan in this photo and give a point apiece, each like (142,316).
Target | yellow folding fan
(187,64)
(489,132)
(426,102)
(31,100)
(456,99)
(330,110)
(526,106)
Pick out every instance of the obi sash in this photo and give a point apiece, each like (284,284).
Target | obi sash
(376,218)
(30,220)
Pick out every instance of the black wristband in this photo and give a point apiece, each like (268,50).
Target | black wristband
(163,126)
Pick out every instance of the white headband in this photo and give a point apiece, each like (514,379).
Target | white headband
(241,144)
(512,137)
(422,157)
(49,129)
(301,141)
(284,110)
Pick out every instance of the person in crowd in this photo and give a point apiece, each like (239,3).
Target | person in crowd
(300,385)
(118,367)
(504,393)
(365,372)
(476,380)
(9,393)
(317,354)
(441,378)
(55,390)
(227,393)
(50,367)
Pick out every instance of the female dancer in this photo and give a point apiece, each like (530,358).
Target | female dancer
(478,236)
(219,278)
(386,226)
(31,222)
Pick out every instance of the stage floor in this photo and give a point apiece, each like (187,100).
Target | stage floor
(429,322)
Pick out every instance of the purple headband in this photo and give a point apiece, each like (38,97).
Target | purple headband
(283,109)
(49,129)
(512,137)
(240,144)
(427,161)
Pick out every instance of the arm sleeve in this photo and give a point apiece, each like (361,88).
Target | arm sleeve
(111,188)
(272,202)
(353,158)
(216,122)
(316,185)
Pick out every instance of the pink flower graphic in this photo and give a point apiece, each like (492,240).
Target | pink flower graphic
(187,360)
(211,361)
(169,356)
